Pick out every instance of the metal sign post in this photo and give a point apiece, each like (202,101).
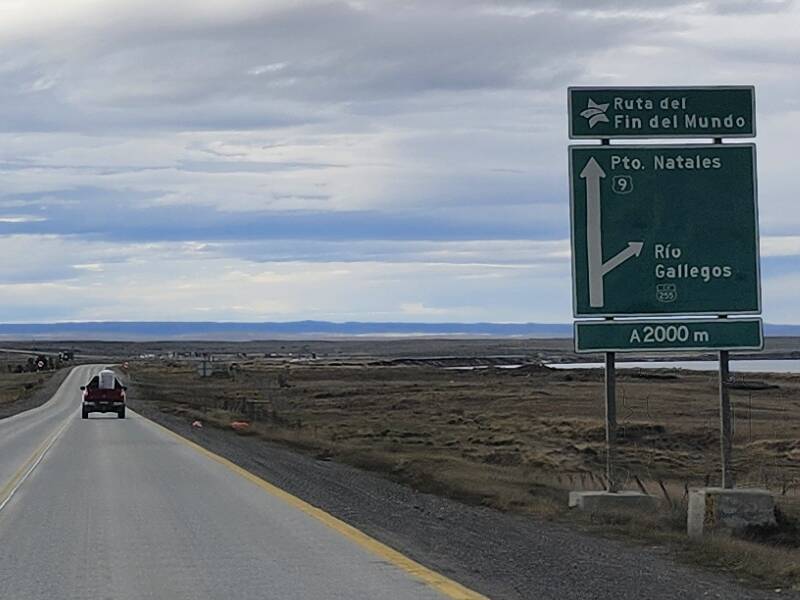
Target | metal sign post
(595,244)
(611,422)
(725,420)
(667,230)
(726,443)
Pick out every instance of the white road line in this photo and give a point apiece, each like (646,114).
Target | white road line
(42,453)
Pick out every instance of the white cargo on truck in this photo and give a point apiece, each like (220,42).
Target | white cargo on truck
(107,379)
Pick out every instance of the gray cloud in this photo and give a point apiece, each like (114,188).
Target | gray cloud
(266,68)
(393,132)
(736,7)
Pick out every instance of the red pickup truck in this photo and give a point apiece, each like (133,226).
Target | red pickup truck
(104,393)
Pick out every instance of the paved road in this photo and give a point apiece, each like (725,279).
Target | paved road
(121,509)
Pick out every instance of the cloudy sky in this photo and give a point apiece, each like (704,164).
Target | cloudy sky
(345,160)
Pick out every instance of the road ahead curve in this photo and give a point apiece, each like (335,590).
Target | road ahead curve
(123,510)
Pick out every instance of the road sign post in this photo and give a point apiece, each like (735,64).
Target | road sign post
(611,422)
(664,230)
(726,442)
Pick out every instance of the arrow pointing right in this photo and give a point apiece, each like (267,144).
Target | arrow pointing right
(633,249)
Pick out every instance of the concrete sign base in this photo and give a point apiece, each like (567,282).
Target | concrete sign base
(727,510)
(601,501)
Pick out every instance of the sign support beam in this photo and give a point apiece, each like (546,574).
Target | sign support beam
(610,380)
(725,420)
(611,422)
(726,443)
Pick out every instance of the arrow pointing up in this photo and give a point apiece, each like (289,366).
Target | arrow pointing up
(633,249)
(592,173)
(592,170)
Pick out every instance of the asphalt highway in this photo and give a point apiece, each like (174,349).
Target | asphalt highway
(108,509)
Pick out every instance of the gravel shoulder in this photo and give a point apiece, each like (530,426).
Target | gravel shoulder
(500,555)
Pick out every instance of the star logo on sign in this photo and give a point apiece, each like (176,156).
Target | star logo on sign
(596,113)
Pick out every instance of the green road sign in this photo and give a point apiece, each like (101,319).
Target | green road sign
(664,230)
(661,112)
(668,335)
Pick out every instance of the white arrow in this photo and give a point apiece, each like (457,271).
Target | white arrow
(592,172)
(633,249)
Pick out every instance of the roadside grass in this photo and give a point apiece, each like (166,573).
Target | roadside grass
(755,558)
(21,391)
(13,386)
(521,443)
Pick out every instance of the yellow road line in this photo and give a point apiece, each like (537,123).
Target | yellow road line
(444,585)
(19,477)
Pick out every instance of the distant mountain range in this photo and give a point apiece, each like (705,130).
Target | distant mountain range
(214,330)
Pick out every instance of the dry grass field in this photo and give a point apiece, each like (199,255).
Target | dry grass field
(14,386)
(519,439)
(20,391)
(509,427)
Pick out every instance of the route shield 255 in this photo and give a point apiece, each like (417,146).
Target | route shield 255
(664,230)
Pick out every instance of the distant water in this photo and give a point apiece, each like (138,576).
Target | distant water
(482,367)
(741,366)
